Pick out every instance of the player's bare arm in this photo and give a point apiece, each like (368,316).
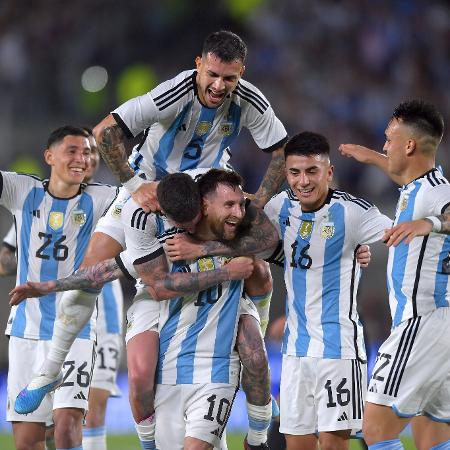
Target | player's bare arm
(91,277)
(272,180)
(260,236)
(163,285)
(407,231)
(8,262)
(367,156)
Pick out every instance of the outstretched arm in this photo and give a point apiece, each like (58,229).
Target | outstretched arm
(272,180)
(367,156)
(407,231)
(260,237)
(111,144)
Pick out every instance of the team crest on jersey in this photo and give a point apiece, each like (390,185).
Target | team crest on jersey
(117,210)
(56,220)
(205,264)
(403,204)
(306,228)
(202,128)
(79,217)
(327,230)
(226,129)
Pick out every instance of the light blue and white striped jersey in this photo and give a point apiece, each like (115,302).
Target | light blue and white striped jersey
(321,272)
(417,277)
(181,133)
(197,332)
(109,302)
(52,237)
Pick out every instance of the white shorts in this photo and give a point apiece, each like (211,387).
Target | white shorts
(25,361)
(318,394)
(110,223)
(412,371)
(200,411)
(142,315)
(108,350)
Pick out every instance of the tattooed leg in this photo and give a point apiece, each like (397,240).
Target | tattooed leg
(255,379)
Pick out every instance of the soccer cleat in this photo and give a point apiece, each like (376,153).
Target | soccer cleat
(247,446)
(31,396)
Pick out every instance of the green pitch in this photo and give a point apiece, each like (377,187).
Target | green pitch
(130,442)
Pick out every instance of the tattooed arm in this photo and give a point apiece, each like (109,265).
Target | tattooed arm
(272,180)
(92,277)
(8,262)
(162,285)
(260,237)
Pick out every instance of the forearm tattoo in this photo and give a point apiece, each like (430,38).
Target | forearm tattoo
(8,262)
(188,283)
(112,150)
(255,374)
(260,235)
(272,180)
(445,221)
(92,277)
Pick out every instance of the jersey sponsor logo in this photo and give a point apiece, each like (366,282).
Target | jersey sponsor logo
(56,220)
(203,128)
(205,264)
(226,129)
(306,228)
(79,217)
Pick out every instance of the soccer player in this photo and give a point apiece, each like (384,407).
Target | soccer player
(224,208)
(411,375)
(323,380)
(54,220)
(187,122)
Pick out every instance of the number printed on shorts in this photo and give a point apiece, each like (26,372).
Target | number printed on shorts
(83,377)
(342,396)
(108,358)
(220,414)
(381,362)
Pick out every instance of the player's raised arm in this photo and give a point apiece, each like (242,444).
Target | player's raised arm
(272,180)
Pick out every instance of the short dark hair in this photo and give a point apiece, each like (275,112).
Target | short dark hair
(227,45)
(59,134)
(179,197)
(422,116)
(210,180)
(307,143)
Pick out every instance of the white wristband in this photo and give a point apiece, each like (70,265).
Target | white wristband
(133,184)
(437,225)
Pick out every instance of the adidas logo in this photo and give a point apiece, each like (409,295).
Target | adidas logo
(343,417)
(373,388)
(216,432)
(80,396)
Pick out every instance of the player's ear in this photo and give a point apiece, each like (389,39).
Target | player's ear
(242,70)
(410,147)
(48,156)
(198,62)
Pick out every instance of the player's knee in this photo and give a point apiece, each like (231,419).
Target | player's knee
(372,431)
(331,442)
(68,427)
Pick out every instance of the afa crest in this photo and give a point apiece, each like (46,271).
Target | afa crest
(56,220)
(79,217)
(327,230)
(203,128)
(306,228)
(226,129)
(117,210)
(204,264)
(403,202)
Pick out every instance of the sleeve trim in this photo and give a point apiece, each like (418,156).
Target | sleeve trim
(122,125)
(122,268)
(149,257)
(276,146)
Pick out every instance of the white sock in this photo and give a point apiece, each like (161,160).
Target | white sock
(146,432)
(259,418)
(94,438)
(74,311)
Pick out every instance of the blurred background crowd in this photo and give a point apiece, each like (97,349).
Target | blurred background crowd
(335,67)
